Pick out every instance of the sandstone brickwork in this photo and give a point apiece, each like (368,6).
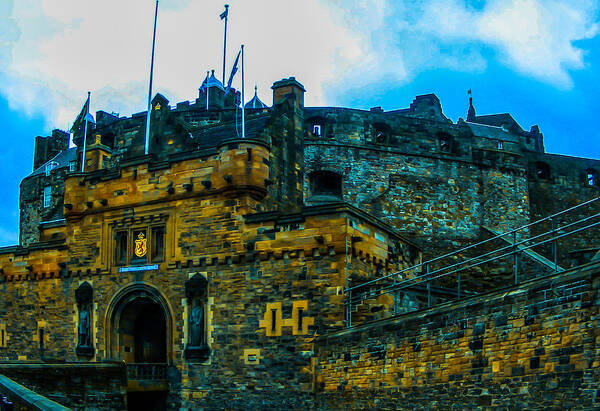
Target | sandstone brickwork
(217,268)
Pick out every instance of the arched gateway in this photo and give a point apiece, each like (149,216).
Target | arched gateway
(139,326)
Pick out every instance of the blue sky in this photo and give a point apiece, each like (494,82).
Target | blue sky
(538,60)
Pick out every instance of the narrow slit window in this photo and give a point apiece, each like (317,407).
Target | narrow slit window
(41,338)
(300,312)
(273,320)
(121,248)
(500,145)
(2,338)
(157,251)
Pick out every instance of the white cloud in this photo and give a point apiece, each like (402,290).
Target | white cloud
(535,38)
(67,47)
(53,51)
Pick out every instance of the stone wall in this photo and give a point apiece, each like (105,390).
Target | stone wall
(531,346)
(76,386)
(440,201)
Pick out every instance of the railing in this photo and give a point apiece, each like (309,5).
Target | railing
(147,371)
(5,404)
(530,241)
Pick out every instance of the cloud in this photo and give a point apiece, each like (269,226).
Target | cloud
(53,51)
(534,38)
(66,47)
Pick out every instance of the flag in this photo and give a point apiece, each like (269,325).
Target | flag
(233,71)
(225,13)
(82,117)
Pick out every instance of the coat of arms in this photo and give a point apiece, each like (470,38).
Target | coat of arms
(141,245)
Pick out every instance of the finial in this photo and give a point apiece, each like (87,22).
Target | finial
(471,113)
(212,72)
(255,89)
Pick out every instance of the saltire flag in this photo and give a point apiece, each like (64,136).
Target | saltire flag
(233,71)
(82,117)
(224,14)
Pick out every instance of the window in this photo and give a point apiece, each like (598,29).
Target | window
(47,196)
(326,183)
(139,245)
(51,166)
(273,320)
(542,170)
(3,336)
(121,248)
(500,144)
(316,129)
(591,177)
(300,312)
(158,244)
(73,166)
(446,143)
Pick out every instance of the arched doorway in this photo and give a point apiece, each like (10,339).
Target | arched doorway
(139,332)
(142,332)
(139,326)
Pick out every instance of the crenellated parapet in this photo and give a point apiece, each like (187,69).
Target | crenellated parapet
(238,167)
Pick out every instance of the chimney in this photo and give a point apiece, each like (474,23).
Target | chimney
(288,88)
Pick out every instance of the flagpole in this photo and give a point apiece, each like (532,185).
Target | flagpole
(147,140)
(225,40)
(243,114)
(207,90)
(85,133)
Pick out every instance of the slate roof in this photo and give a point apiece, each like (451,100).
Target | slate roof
(493,132)
(255,102)
(62,159)
(498,120)
(212,82)
(214,135)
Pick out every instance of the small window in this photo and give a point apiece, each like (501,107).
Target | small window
(542,170)
(3,336)
(47,196)
(273,320)
(316,129)
(51,166)
(41,338)
(157,250)
(500,144)
(591,177)
(445,142)
(326,183)
(300,312)
(73,166)
(121,248)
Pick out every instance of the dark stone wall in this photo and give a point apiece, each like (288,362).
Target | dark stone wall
(48,147)
(31,205)
(73,385)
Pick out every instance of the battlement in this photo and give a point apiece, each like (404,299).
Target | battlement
(234,168)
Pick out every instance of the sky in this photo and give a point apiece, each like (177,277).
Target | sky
(538,60)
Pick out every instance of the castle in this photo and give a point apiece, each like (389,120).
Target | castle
(215,271)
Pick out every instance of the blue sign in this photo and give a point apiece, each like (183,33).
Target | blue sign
(138,268)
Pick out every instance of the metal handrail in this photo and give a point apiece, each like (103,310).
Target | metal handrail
(516,248)
(478,244)
(421,279)
(147,371)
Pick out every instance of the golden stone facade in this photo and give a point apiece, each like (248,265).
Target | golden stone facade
(215,267)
